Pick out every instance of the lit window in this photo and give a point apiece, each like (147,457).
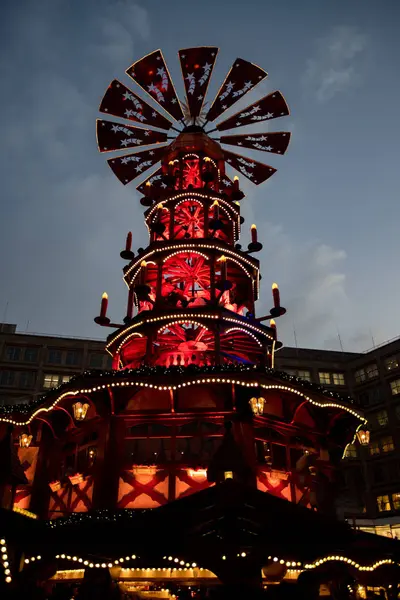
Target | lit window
(374,448)
(391,363)
(13,353)
(387,444)
(396,501)
(325,378)
(351,451)
(65,378)
(31,355)
(50,381)
(291,372)
(395,387)
(372,371)
(360,376)
(383,503)
(304,375)
(338,378)
(55,357)
(382,418)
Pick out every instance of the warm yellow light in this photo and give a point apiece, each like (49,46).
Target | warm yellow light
(274,286)
(222,259)
(215,203)
(80,410)
(143,263)
(363,437)
(207,159)
(236,178)
(257,405)
(25,440)
(171,162)
(253,226)
(272,322)
(228,474)
(148,183)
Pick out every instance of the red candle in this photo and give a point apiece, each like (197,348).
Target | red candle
(171,167)
(143,272)
(129,310)
(128,244)
(222,260)
(236,183)
(272,324)
(104,304)
(216,209)
(147,188)
(253,230)
(275,294)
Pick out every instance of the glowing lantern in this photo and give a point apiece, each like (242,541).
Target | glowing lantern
(25,440)
(76,479)
(55,486)
(257,405)
(80,411)
(228,474)
(363,437)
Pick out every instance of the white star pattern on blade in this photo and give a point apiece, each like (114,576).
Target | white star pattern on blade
(163,185)
(227,183)
(160,71)
(138,168)
(173,101)
(269,115)
(102,124)
(263,138)
(153,114)
(200,97)
(133,74)
(124,161)
(224,107)
(115,128)
(238,123)
(240,143)
(268,148)
(147,132)
(151,152)
(128,113)
(126,96)
(183,55)
(207,66)
(124,142)
(158,57)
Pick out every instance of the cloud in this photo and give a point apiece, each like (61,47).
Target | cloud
(338,63)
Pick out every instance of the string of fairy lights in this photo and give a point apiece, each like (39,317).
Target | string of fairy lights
(123,378)
(5,561)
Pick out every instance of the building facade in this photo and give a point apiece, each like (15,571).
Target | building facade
(32,364)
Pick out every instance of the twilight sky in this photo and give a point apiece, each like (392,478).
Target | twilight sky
(329,218)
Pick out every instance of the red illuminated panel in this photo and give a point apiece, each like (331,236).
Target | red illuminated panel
(197,66)
(242,77)
(115,136)
(130,166)
(120,101)
(276,142)
(151,73)
(270,107)
(255,171)
(145,487)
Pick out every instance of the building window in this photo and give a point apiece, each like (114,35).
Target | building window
(387,444)
(13,353)
(382,418)
(96,361)
(7,377)
(374,448)
(55,357)
(304,375)
(27,379)
(31,355)
(383,503)
(72,358)
(391,363)
(65,378)
(324,378)
(395,387)
(351,451)
(338,378)
(360,376)
(396,501)
(372,371)
(50,381)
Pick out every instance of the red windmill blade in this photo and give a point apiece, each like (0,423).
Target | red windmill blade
(255,171)
(155,180)
(120,101)
(242,77)
(152,75)
(272,106)
(130,166)
(116,136)
(197,65)
(276,142)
